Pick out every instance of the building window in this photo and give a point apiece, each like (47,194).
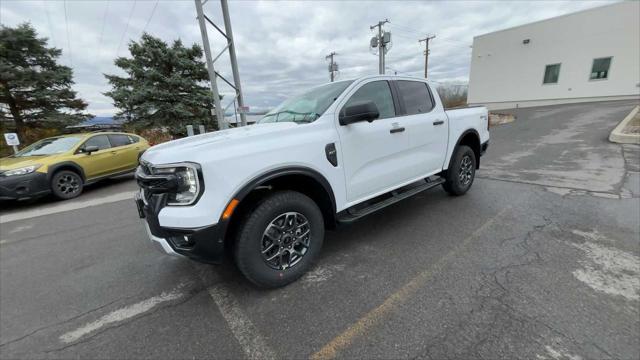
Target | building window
(551,74)
(600,68)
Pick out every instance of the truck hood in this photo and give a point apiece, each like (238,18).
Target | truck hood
(176,150)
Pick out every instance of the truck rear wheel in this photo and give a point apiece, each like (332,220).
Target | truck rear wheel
(462,170)
(279,240)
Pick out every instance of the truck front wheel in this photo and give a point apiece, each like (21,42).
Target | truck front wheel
(279,240)
(461,172)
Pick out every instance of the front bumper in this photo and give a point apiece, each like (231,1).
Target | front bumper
(24,186)
(204,244)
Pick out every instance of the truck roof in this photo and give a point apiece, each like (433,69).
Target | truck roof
(385,76)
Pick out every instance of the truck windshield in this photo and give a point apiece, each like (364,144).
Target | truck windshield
(308,106)
(49,146)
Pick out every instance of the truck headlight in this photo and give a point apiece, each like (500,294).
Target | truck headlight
(188,182)
(22,171)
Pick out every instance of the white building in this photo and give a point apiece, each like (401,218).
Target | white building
(591,55)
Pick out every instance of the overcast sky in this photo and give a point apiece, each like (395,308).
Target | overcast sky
(281,46)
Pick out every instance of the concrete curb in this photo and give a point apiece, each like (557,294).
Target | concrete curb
(618,136)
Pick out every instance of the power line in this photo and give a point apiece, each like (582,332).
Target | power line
(408,30)
(104,21)
(46,9)
(153,11)
(408,33)
(66,22)
(406,36)
(452,43)
(126,27)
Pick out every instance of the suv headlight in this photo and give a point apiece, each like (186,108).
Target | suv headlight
(22,171)
(188,182)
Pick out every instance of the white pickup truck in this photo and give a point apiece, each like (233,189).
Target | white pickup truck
(327,156)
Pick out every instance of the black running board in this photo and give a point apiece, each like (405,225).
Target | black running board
(356,212)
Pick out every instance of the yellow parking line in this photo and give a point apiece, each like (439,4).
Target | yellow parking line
(346,338)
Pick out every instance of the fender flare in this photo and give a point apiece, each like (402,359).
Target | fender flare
(289,170)
(465,133)
(55,167)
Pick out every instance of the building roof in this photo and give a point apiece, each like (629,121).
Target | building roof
(598,8)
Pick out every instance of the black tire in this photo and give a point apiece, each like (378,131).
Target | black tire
(264,219)
(462,171)
(66,184)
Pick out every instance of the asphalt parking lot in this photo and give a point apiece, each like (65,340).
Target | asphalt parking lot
(540,260)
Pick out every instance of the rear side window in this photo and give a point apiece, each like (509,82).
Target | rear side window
(101,141)
(415,96)
(378,92)
(119,140)
(133,139)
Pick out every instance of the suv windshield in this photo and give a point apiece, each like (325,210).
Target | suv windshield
(308,106)
(49,146)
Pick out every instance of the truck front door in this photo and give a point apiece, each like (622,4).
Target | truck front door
(374,153)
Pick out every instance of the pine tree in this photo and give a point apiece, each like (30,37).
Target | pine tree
(33,86)
(164,86)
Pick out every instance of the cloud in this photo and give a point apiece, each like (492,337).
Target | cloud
(281,45)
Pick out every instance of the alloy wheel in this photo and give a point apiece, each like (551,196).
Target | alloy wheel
(286,240)
(466,170)
(68,184)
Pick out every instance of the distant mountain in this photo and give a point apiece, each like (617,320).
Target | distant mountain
(102,120)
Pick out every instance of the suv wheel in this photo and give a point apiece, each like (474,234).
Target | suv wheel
(279,240)
(460,175)
(66,184)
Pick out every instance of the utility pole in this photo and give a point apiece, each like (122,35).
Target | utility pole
(333,67)
(234,61)
(212,72)
(426,52)
(381,45)
(213,75)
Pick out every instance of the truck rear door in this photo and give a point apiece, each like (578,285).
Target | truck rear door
(426,124)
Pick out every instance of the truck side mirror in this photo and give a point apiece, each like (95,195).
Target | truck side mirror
(89,149)
(359,111)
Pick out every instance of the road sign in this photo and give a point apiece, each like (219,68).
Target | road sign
(243,109)
(12,139)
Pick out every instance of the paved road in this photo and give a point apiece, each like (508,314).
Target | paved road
(539,260)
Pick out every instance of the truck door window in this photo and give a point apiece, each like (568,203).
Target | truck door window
(378,92)
(415,96)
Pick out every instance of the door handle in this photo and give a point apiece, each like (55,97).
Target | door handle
(438,122)
(396,130)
